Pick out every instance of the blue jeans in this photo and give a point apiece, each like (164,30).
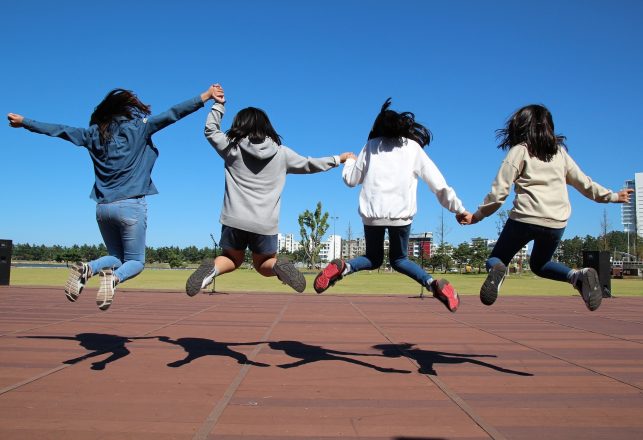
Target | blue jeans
(398,250)
(517,234)
(123,225)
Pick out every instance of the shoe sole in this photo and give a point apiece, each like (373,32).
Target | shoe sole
(73,286)
(444,292)
(288,274)
(592,293)
(106,291)
(491,286)
(329,276)
(194,283)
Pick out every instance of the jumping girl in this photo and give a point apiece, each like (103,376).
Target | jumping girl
(539,167)
(388,168)
(119,142)
(256,164)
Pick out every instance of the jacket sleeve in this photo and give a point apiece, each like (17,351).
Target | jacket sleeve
(77,136)
(179,111)
(584,184)
(355,169)
(297,164)
(213,133)
(501,186)
(430,173)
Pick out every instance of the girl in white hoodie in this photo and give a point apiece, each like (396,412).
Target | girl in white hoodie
(388,168)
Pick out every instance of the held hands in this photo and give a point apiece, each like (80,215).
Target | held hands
(215,91)
(345,156)
(466,218)
(624,195)
(15,120)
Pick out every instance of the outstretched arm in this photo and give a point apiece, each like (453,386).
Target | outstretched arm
(446,195)
(77,136)
(297,164)
(179,111)
(584,184)
(212,132)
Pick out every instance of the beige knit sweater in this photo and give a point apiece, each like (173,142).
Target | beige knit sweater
(540,187)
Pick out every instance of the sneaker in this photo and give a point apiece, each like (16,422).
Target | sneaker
(446,294)
(491,286)
(330,275)
(589,287)
(200,278)
(107,289)
(288,274)
(78,276)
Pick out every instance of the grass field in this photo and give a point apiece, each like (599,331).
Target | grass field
(374,282)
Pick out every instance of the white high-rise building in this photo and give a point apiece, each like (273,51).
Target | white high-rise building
(628,210)
(638,201)
(287,242)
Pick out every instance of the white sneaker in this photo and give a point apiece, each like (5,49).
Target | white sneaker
(106,290)
(79,273)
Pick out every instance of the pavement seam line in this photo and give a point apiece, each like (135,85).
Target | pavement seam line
(106,350)
(453,396)
(213,418)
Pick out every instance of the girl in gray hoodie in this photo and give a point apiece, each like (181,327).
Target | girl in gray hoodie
(256,164)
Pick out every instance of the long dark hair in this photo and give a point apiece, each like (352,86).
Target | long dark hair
(254,124)
(391,124)
(118,102)
(533,126)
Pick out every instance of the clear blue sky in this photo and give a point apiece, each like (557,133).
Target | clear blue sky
(321,70)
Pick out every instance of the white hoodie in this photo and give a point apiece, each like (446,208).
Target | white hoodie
(388,170)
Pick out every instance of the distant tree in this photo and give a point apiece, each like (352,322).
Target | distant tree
(479,255)
(501,220)
(312,227)
(462,254)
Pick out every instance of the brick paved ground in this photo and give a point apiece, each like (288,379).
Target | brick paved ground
(160,365)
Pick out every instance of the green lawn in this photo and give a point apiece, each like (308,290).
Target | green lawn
(244,280)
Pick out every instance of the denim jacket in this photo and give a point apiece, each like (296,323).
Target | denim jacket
(122,166)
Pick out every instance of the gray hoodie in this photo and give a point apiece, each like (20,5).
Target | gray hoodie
(255,175)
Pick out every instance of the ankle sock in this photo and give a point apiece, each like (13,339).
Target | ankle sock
(347,269)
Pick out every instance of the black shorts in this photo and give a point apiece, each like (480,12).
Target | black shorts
(237,239)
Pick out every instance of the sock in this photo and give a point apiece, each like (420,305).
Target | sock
(207,280)
(428,283)
(573,276)
(347,270)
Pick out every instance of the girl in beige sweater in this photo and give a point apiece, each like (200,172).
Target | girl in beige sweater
(539,167)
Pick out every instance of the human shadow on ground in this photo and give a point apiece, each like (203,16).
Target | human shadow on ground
(97,344)
(312,353)
(426,359)
(200,347)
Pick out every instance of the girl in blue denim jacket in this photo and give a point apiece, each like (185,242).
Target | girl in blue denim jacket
(119,142)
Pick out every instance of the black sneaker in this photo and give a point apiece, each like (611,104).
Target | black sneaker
(289,274)
(78,276)
(491,285)
(589,287)
(200,278)
(107,289)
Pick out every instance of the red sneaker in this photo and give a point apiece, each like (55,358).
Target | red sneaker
(330,275)
(444,291)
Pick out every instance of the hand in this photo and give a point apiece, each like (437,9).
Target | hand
(624,195)
(219,95)
(345,156)
(15,120)
(213,91)
(466,218)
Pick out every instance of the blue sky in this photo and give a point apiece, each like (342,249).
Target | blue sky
(321,70)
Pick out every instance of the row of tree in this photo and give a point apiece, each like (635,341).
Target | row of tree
(313,226)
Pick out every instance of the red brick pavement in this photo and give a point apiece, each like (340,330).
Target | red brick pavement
(160,365)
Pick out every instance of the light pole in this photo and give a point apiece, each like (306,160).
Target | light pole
(335,218)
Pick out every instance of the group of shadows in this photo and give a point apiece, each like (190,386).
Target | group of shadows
(99,344)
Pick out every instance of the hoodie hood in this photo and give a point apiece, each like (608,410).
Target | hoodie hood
(262,151)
